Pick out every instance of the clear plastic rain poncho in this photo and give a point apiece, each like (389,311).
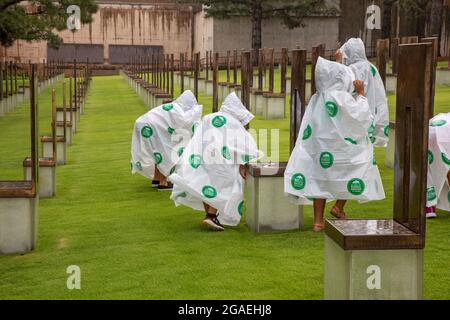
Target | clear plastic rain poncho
(160,136)
(209,169)
(354,56)
(334,157)
(438,192)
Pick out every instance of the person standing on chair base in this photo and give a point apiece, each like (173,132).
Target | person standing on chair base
(333,158)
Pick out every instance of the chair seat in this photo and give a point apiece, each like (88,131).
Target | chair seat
(17,189)
(43,162)
(50,139)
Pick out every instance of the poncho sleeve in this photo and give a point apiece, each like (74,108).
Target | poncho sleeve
(356,113)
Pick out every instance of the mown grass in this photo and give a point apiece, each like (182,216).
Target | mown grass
(132,243)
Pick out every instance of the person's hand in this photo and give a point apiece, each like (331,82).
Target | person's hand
(243,172)
(338,56)
(359,87)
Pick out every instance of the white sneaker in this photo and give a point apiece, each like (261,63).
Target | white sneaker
(431,215)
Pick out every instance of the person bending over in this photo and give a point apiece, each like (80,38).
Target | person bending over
(210,176)
(160,136)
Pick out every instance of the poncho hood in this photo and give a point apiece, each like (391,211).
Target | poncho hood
(234,107)
(353,51)
(187,100)
(332,76)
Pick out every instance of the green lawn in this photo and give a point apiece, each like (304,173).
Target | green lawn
(132,243)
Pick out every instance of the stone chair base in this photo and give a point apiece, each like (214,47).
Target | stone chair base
(372,274)
(268,209)
(69,131)
(18,224)
(253,100)
(47,176)
(223,91)
(208,87)
(275,106)
(260,103)
(61,148)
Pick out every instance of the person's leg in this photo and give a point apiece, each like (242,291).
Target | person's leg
(319,208)
(156,177)
(209,209)
(163,181)
(338,209)
(211,218)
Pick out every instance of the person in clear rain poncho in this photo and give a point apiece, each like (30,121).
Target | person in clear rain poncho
(438,192)
(160,136)
(353,54)
(334,157)
(210,175)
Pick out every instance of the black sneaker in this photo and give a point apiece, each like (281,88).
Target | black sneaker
(169,187)
(155,183)
(213,223)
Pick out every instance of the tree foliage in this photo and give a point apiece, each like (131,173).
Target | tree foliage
(39,19)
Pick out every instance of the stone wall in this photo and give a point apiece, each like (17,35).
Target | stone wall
(167,25)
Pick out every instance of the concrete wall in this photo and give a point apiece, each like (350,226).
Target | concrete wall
(203,33)
(236,33)
(166,25)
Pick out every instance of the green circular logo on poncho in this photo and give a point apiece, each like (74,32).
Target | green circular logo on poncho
(371,129)
(431,194)
(438,123)
(173,169)
(158,157)
(298,181)
(209,192)
(182,195)
(430,157)
(373,70)
(170,130)
(332,108)
(351,141)
(326,160)
(246,158)
(139,166)
(356,187)
(386,131)
(194,126)
(195,161)
(167,107)
(373,140)
(219,121)
(307,133)
(147,131)
(226,153)
(445,159)
(180,151)
(241,208)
